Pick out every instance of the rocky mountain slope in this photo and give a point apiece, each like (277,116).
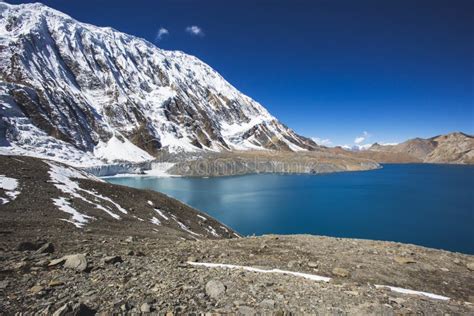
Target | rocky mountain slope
(84,94)
(35,194)
(455,148)
(73,245)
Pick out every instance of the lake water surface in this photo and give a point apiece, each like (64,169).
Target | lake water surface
(429,205)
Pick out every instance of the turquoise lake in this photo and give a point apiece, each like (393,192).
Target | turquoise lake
(428,205)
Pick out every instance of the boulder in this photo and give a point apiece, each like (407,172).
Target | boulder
(46,248)
(340,272)
(77,262)
(112,259)
(215,289)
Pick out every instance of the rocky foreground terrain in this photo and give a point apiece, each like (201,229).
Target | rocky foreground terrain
(51,263)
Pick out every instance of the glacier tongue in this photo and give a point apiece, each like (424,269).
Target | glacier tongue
(84,94)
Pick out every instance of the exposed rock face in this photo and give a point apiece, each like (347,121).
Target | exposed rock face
(78,92)
(455,148)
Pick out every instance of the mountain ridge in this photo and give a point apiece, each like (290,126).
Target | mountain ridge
(451,148)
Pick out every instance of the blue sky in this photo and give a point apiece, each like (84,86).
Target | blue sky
(334,69)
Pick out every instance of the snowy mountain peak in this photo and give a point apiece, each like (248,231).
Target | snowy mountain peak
(74,91)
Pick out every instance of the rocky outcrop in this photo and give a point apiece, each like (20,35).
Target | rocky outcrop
(453,148)
(71,90)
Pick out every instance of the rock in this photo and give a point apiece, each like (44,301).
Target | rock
(246,311)
(312,264)
(63,310)
(130,239)
(79,309)
(340,272)
(125,307)
(471,299)
(77,262)
(46,248)
(457,261)
(82,309)
(27,246)
(145,308)
(54,283)
(36,289)
(4,284)
(56,262)
(215,289)
(470,266)
(404,260)
(112,259)
(192,259)
(267,304)
(292,264)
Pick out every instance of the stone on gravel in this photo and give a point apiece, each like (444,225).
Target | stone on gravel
(246,311)
(312,264)
(215,289)
(470,266)
(56,262)
(36,289)
(77,262)
(54,283)
(145,308)
(4,284)
(267,304)
(340,272)
(78,309)
(404,260)
(112,259)
(27,246)
(63,310)
(46,248)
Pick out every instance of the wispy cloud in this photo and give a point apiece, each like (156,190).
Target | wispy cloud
(322,141)
(161,33)
(194,30)
(362,138)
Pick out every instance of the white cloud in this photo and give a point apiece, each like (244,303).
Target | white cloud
(161,33)
(194,30)
(360,139)
(321,141)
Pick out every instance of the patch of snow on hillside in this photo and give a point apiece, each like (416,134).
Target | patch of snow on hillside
(78,219)
(118,150)
(10,186)
(155,221)
(412,292)
(63,176)
(161,214)
(252,269)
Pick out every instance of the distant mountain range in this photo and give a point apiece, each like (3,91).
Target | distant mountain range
(84,94)
(456,148)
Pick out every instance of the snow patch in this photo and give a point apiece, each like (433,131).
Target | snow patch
(161,214)
(10,186)
(62,178)
(78,219)
(252,269)
(412,292)
(155,221)
(120,150)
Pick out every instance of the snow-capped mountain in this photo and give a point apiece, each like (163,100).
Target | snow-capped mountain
(77,92)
